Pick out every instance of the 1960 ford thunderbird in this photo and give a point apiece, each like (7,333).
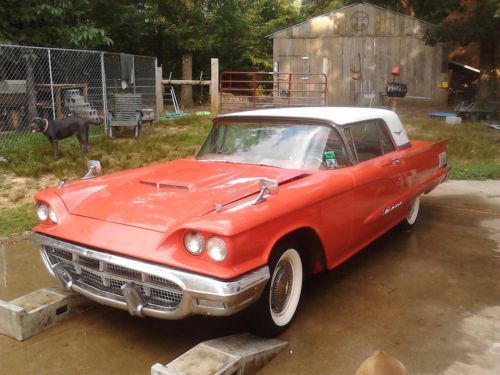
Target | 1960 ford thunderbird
(271,196)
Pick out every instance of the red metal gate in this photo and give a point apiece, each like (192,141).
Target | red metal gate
(254,90)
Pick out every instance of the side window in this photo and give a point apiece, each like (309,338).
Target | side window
(326,151)
(335,154)
(368,139)
(385,137)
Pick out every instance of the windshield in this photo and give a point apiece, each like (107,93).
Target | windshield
(291,146)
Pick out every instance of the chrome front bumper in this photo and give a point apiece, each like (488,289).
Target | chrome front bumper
(146,289)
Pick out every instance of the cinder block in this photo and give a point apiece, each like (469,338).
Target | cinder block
(35,312)
(242,354)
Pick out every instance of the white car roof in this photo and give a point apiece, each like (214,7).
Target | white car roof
(339,115)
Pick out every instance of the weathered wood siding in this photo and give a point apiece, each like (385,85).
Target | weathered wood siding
(382,39)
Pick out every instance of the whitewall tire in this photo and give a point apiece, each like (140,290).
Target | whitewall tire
(412,215)
(278,304)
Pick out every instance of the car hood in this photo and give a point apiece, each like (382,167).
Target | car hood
(162,197)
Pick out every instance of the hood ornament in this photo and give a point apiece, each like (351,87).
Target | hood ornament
(94,167)
(269,187)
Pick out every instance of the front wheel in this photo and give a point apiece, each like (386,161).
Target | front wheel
(276,308)
(412,215)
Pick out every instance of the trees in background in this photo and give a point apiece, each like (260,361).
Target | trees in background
(61,23)
(232,30)
(475,21)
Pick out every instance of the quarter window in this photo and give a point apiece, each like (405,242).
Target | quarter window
(368,139)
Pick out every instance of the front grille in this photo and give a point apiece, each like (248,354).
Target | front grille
(158,292)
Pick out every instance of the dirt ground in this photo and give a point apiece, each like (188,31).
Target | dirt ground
(429,297)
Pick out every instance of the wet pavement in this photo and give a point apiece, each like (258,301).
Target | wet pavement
(429,297)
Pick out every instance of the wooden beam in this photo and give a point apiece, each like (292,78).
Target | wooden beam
(187,74)
(214,86)
(185,82)
(159,91)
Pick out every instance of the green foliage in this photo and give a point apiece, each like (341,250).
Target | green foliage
(52,23)
(18,219)
(472,148)
(468,24)
(476,172)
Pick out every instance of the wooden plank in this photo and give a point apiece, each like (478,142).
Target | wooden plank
(185,82)
(388,18)
(341,14)
(335,83)
(319,26)
(383,63)
(369,64)
(336,23)
(331,22)
(349,30)
(377,22)
(394,19)
(346,77)
(430,79)
(370,11)
(214,86)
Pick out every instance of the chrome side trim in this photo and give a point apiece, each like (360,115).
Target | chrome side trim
(201,295)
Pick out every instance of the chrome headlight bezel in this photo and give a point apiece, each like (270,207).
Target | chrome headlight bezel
(52,215)
(42,211)
(217,249)
(194,242)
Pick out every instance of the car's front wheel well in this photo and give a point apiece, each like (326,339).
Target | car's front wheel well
(311,248)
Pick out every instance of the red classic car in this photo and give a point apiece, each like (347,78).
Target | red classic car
(271,196)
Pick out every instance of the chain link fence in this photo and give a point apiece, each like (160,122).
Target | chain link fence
(57,83)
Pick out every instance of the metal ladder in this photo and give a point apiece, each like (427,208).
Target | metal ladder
(170,98)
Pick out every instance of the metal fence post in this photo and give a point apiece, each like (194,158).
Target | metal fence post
(158,89)
(51,86)
(104,94)
(133,71)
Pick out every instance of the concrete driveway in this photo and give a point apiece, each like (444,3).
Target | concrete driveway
(429,297)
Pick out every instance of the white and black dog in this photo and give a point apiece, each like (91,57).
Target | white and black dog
(56,130)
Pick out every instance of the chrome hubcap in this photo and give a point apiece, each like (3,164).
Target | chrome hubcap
(281,287)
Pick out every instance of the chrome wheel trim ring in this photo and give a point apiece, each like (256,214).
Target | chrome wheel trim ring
(285,287)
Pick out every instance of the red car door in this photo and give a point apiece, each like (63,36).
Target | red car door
(378,181)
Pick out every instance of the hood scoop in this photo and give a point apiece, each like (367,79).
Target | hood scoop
(170,185)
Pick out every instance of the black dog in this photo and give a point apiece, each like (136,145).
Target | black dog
(60,129)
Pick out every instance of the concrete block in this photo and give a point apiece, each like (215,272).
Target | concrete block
(453,120)
(242,354)
(25,316)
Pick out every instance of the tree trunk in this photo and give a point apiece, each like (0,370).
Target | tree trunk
(187,74)
(488,81)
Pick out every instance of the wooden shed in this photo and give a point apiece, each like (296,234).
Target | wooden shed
(357,46)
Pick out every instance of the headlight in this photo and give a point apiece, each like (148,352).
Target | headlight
(217,249)
(52,216)
(194,241)
(42,211)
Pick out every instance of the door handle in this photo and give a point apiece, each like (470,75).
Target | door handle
(396,161)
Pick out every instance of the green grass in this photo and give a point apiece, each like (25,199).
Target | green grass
(17,219)
(473,149)
(169,140)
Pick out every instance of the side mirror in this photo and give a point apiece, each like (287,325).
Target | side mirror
(94,167)
(268,187)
